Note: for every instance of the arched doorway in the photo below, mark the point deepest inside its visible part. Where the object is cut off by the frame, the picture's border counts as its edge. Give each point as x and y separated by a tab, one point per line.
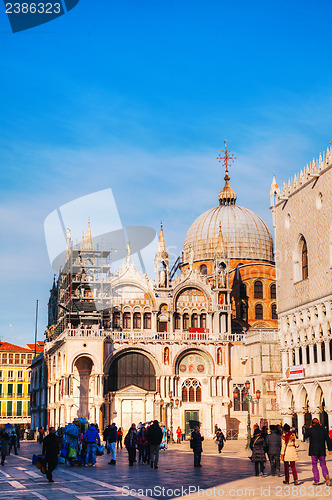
82	371
131	387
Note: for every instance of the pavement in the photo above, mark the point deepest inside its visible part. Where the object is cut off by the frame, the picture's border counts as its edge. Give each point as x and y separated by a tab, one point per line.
228	475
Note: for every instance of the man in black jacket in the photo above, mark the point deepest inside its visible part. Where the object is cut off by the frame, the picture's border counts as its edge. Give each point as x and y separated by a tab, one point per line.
273	443
318	436
196	446
51	449
155	437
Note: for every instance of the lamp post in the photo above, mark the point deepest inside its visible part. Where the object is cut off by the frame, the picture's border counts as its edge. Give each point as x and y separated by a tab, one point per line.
172	404
249	399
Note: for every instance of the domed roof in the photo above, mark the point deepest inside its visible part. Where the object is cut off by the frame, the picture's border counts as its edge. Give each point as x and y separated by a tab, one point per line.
245	235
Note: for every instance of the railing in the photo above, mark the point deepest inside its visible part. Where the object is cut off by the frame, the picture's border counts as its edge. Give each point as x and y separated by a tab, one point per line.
151	335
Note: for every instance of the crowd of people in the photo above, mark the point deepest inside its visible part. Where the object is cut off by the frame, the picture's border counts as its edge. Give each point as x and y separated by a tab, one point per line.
79	443
280	445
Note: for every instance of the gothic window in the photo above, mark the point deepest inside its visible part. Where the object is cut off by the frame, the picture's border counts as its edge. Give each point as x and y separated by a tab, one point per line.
126	320
293	357
244	401
258	311
243	291
191	387
274	311
186	321
203	321
323	351
273	291
177	321
132	369
307	354
300	356
116	320
304	255
258	290
137	321
203	269
315	353
236	401
147	321
194	321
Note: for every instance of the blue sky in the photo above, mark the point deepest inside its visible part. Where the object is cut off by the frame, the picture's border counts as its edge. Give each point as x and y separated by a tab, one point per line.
138	97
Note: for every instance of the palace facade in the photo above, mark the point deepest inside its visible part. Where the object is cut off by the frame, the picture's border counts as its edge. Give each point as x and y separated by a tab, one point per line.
303	238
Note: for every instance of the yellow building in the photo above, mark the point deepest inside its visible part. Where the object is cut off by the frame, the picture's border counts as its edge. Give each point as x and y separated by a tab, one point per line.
15	383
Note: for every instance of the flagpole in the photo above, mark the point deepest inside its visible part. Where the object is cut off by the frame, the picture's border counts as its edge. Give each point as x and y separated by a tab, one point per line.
36	327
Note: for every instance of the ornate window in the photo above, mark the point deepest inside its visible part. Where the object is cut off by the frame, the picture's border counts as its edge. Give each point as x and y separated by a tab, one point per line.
258	311
273	291
315	353
323	351
192	388
147	321
186	321
274	311
307	354
203	321
258	290
137	321
177	321
116	320
203	269
126	320
194	321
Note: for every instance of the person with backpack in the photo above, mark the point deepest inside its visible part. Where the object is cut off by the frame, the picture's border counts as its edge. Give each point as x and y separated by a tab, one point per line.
288	453
91	438
257	445
318	439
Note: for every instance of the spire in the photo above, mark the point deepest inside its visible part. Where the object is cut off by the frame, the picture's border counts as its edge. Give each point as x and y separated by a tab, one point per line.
274	191
220	249
161	249
226	196
87	242
68	243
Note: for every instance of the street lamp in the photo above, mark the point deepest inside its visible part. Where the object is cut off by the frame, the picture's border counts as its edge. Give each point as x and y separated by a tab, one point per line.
173	404
249	399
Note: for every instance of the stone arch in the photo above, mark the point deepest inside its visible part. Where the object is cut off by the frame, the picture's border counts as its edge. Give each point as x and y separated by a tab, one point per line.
119	352
82	369
192	350
316	396
124	283
186	285
300	254
132	367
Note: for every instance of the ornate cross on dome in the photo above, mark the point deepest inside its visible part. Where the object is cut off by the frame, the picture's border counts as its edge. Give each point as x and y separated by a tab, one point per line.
227	158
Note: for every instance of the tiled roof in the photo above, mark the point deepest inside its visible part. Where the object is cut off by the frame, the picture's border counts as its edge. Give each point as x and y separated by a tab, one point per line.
39	346
6	346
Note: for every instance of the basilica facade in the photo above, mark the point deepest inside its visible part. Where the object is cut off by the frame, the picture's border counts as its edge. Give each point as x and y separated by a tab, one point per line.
198	347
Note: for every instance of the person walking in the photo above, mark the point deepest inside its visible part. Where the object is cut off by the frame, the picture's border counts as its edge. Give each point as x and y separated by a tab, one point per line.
41	433
318	438
4	440
155	437
50	452
130	443
119	438
106	433
257	445
111	441
178	435
220	439
13	442
142	441
288	453
273	444
196	445
91	438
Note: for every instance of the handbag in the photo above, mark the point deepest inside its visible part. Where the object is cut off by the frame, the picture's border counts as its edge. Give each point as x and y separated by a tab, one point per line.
72	453
100	450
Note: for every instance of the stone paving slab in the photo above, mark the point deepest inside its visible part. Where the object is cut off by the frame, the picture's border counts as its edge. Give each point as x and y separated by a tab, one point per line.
228	475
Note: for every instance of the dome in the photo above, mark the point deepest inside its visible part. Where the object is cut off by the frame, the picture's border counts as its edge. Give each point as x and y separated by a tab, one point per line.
245	235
